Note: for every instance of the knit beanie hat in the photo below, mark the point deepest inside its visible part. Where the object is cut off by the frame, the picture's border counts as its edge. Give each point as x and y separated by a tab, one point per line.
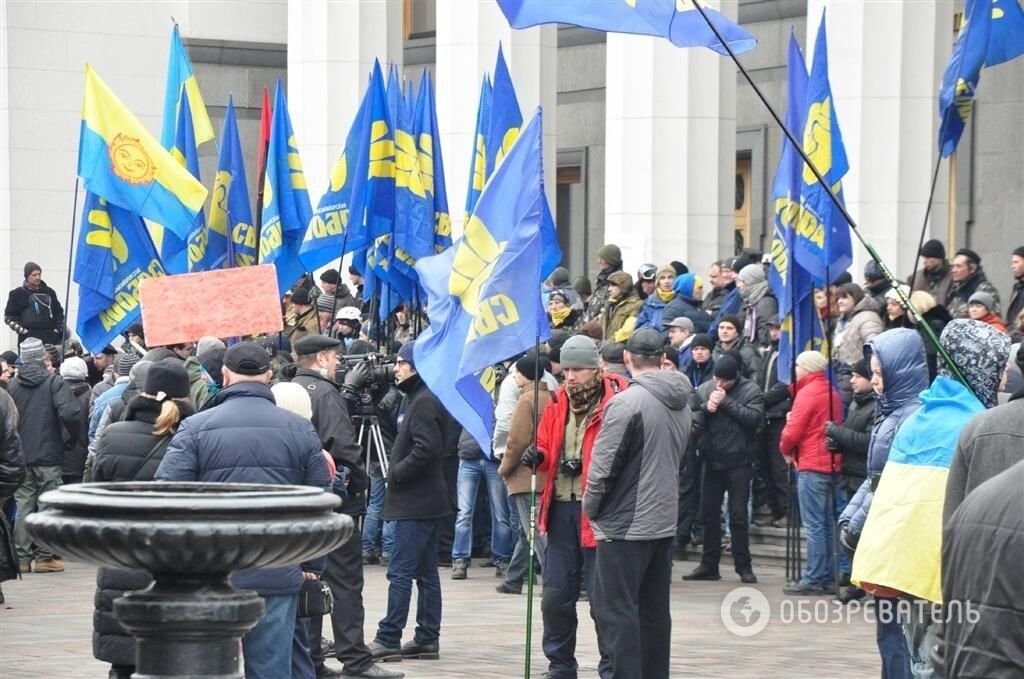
125	362
983	298
579	351
406	353
74	367
1019	251
752	274
31	267
933	248
140	370
679	267
293	398
812	361
531	368
702	340
726	368
666	270
559	278
206	343
591	329
167	379
611	254
326	302
861	368
32	349
733	320
872	272
582	286
621	279
331	276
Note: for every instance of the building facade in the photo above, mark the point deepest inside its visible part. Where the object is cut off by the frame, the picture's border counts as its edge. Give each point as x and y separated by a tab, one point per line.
666	152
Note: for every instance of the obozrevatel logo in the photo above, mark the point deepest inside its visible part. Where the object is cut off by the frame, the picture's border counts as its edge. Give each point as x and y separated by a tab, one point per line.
745	611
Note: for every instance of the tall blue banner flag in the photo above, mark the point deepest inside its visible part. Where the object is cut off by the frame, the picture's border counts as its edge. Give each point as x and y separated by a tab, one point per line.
823	245
960	81
428	145
675	20
286	208
1007	39
113	257
230	212
505	116
484	291
478	165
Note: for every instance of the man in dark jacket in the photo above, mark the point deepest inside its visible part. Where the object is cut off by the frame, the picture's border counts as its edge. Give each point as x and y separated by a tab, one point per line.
75	373
317	358
851	438
1016	305
416	498
934	276
969	278
771	467
728	412
45	405
631	499
982	549
609	260
242	437
34	310
732	338
875	283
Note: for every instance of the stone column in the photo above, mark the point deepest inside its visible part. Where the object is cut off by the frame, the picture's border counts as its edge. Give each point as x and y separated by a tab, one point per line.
670	151
885	65
468	34
331	49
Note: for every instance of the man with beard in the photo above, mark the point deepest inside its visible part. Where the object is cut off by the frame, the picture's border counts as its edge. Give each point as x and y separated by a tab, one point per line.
34	310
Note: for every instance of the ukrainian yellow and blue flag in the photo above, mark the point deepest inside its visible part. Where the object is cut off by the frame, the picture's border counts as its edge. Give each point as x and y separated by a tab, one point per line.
1006	41
230	211
960	81
113	257
505	118
337	226
484	291
121	162
675	20
180	78
478	166
823	245
428	145
286	208
901	545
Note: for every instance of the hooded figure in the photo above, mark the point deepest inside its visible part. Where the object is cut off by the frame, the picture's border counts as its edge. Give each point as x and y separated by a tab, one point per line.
759	304
687	303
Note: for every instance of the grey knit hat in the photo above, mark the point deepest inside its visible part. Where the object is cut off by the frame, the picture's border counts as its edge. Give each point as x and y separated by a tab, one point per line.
32	349
125	362
752	274
579	351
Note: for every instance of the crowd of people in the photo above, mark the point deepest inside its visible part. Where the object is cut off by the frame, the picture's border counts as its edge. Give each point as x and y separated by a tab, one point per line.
662	425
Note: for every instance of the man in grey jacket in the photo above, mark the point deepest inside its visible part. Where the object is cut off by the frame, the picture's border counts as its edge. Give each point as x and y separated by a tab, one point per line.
631	499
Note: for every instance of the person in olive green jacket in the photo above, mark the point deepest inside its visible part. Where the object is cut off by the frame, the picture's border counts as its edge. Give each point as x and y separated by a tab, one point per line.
623	306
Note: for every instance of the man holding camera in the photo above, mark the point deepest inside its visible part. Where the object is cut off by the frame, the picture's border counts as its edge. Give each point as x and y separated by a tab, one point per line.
317	359
565	438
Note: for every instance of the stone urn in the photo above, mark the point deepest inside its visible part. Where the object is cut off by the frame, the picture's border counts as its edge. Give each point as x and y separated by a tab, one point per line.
190	537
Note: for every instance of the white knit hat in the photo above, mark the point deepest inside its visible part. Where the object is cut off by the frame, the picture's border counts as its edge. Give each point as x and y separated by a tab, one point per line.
294	398
812	361
74	367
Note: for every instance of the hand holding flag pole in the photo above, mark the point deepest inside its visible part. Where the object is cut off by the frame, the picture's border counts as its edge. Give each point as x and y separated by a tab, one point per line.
798	146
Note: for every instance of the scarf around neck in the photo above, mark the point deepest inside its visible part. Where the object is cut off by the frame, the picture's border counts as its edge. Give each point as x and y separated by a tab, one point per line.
583	397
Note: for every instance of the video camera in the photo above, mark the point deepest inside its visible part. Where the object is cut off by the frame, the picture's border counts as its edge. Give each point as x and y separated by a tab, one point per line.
379	375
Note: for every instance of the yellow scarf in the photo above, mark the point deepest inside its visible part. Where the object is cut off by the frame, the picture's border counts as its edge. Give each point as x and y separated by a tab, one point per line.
558	317
666	296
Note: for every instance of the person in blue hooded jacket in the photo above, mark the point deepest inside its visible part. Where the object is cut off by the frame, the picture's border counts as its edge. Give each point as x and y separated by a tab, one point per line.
689	289
241	436
899	373
653	312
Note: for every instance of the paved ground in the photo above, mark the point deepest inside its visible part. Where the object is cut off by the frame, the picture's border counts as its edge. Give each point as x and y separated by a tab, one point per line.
45	629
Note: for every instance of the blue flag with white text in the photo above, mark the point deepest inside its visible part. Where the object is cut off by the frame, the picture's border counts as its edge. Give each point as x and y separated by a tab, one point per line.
113	257
675	20
286	208
484	291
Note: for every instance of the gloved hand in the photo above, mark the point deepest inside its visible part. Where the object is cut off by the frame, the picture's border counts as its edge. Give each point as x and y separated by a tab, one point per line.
848	539
830	429
532	457
358	376
831	444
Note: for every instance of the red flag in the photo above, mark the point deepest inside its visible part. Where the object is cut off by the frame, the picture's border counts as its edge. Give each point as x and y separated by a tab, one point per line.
265	115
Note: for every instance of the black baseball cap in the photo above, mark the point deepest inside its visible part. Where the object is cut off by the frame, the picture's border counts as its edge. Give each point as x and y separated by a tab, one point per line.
247	358
646	342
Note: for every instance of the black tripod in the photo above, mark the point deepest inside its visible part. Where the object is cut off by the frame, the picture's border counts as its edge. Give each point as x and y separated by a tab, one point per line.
371	441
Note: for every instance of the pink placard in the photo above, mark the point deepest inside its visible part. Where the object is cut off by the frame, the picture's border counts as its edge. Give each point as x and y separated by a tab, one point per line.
223	303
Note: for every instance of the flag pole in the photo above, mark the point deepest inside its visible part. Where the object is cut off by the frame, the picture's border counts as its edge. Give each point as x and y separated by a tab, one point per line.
904	298
71	254
924	226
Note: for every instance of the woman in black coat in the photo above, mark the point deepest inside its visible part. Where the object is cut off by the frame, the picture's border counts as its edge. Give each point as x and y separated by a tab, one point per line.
131	450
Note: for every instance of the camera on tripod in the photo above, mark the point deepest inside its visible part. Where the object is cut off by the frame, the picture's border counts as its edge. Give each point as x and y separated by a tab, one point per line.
379	375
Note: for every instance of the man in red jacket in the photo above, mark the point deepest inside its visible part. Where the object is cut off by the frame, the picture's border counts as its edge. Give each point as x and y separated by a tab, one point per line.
565	439
815	403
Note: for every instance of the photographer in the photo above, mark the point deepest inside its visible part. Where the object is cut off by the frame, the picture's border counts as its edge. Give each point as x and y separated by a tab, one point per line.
317	361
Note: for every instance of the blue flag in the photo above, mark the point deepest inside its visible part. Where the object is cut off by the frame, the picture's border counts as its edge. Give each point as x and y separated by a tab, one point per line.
484	292
959	82
206	249
1007	39
180	79
414	193
428	145
676	20
230	211
505	116
113	257
286	208
823	244
478	166
802	330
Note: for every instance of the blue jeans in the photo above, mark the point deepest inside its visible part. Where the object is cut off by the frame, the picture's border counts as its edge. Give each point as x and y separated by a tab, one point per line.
267	647
471	472
892	644
819	522
414	558
376	531
302	661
